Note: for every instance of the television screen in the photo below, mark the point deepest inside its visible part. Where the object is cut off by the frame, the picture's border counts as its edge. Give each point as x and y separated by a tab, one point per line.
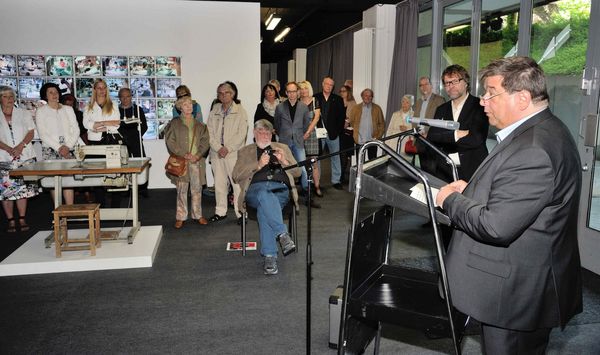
88	65
148	106
115	84
164	109
65	85
59	65
32	65
165	88
114	66
84	87
8	65
168	66
29	88
141	66
12	82
142	87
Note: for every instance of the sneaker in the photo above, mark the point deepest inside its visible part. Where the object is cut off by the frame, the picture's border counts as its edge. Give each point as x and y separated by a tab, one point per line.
270	265
286	243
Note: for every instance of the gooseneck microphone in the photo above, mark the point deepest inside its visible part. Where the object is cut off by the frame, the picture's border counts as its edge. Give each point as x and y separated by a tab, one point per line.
451	125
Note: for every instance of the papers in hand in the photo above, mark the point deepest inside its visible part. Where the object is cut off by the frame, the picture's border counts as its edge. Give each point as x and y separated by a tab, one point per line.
418	193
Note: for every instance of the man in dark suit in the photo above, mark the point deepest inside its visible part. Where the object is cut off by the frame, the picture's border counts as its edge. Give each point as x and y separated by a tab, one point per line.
425	108
292	119
513	262
466	146
333	114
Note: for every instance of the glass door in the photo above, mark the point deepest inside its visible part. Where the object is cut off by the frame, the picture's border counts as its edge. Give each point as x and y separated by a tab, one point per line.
589	150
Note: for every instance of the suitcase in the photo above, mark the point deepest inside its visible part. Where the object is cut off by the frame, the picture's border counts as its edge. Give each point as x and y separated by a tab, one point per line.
335	314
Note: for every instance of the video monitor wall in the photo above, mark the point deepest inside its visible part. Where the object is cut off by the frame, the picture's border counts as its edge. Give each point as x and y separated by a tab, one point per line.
152	80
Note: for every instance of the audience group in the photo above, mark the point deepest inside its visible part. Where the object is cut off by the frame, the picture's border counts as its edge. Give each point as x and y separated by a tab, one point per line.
289	127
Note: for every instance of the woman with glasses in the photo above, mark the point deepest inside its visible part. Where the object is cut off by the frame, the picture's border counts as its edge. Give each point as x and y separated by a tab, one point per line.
184	91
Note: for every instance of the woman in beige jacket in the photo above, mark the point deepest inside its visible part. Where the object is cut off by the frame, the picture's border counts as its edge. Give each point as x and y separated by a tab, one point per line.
188	138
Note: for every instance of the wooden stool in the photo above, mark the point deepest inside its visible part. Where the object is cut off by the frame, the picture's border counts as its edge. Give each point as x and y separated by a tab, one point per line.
61	237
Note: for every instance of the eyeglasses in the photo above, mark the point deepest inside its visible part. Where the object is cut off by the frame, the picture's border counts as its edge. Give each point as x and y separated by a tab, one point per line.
488	98
452	82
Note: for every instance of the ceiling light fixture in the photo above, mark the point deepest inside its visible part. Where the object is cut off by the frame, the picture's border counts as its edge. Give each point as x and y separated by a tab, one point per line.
272	22
282	35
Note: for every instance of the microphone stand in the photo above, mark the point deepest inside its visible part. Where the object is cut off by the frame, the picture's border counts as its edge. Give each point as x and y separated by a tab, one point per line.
307	164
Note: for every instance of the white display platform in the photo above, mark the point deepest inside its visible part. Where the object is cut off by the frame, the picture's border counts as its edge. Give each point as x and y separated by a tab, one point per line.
34	258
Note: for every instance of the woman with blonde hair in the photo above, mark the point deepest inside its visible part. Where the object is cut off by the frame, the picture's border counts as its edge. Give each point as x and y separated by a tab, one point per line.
311	142
399	123
101	117
188	138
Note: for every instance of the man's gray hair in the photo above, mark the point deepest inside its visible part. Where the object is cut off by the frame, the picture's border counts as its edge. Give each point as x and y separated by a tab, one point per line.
263	123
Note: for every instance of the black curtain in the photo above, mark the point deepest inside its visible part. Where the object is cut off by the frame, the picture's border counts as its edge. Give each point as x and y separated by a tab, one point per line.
404	63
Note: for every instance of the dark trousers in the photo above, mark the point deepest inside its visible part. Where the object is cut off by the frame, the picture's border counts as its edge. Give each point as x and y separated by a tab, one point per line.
501	341
371	152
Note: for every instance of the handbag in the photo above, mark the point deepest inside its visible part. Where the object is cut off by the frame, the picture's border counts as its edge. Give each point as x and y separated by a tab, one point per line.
410	148
321	132
177	165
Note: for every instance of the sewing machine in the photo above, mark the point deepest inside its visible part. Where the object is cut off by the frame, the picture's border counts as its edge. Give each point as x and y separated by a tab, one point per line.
116	155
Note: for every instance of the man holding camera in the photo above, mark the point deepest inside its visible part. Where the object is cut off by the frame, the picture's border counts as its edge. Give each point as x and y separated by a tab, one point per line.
266	186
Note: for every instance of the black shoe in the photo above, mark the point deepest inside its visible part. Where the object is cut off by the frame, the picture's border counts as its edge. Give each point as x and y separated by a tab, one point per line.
239	221
427	224
313	204
216	218
338	186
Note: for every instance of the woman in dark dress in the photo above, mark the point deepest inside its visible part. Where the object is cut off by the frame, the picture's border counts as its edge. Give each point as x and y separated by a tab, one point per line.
269	99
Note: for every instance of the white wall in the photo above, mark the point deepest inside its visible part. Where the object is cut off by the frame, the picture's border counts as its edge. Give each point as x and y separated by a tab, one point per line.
217	41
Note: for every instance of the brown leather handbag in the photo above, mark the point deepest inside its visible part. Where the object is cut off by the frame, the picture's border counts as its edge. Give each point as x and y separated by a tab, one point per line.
177	165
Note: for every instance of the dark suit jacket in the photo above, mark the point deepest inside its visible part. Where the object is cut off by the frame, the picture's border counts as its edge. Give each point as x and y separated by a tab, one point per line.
290	131
513	261
335	116
471	149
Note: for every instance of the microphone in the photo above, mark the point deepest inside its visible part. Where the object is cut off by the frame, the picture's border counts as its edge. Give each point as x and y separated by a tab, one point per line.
451	125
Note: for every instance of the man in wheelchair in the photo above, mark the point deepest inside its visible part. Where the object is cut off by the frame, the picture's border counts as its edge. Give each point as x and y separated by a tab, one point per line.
266	186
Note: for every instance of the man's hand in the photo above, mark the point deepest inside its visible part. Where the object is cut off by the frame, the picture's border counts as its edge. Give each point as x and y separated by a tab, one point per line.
278	153
223	152
445	191
461	133
264	160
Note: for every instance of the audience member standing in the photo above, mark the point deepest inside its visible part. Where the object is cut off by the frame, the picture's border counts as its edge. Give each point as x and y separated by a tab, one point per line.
312	145
292	119
58	130
269	99
367	121
333	115
425	108
182	91
347	138
399	123
188	138
466	146
132	132
228	129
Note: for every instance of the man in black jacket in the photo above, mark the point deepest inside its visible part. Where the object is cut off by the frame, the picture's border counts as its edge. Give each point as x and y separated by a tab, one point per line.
333	115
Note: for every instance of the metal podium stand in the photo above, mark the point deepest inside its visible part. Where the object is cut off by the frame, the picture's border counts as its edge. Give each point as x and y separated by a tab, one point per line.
376	292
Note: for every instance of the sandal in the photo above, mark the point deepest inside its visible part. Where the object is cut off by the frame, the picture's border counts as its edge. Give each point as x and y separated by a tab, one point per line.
12	227
23	224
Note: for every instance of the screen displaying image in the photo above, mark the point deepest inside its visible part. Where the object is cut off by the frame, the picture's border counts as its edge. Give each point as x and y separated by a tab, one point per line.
165	88
141	66
12	82
32	65
148	106
8	65
84	87
142	87
59	65
152	132
82	104
168	66
164	109
65	85
115	84
29	88
86	65
114	66
31	105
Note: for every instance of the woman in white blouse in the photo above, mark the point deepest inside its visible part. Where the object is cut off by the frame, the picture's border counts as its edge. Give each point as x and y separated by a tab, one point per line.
57	128
399	123
101	117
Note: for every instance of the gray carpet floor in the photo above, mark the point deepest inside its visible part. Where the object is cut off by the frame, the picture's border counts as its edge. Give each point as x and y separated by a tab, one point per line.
200	299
